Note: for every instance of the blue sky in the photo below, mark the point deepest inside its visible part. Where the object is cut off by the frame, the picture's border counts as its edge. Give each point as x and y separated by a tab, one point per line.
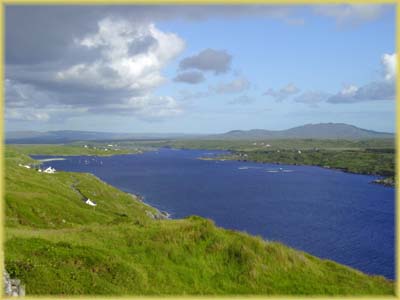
255	68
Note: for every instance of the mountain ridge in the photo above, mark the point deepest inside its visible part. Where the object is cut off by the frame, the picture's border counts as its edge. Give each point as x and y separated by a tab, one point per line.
307	131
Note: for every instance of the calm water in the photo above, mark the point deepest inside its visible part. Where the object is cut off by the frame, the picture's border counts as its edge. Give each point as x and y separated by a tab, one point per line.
328	213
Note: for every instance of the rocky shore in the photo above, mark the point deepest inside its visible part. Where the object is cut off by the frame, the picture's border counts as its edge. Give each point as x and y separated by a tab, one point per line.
12	287
388	181
158	215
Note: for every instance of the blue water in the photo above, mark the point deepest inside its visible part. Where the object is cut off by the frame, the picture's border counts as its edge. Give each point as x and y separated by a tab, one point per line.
328	213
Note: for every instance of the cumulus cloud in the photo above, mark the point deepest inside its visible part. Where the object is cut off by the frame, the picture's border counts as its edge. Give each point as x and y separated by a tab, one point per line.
118	67
217	61
192	77
237	85
121	76
148	107
389	62
312	98
36	34
28	103
379	90
244	99
351	14
283	93
373	91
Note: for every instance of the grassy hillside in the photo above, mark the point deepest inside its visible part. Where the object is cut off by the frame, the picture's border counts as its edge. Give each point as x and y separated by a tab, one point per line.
56	244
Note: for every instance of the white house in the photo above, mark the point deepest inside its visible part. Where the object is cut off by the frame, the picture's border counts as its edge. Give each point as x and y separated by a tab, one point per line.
90	202
50	170
25	166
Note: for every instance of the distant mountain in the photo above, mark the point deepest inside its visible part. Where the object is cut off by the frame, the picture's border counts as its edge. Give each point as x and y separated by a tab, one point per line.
67	136
308	131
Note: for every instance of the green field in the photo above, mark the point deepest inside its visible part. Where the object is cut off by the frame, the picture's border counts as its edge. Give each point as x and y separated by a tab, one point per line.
88	148
276	144
56	244
376	161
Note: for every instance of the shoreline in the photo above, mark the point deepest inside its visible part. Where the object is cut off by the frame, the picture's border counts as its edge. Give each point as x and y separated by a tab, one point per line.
51	159
160	215
385	181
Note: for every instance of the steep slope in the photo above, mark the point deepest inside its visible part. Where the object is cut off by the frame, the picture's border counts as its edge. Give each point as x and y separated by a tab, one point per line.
56	244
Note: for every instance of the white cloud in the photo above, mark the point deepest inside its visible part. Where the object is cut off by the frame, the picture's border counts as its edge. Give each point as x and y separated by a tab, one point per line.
349	90
312	98
380	90
352	14
389	62
148	107
155	107
235	86
118	67
121	78
283	93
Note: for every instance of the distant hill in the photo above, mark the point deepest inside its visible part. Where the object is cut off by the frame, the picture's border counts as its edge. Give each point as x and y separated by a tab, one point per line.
66	136
308	131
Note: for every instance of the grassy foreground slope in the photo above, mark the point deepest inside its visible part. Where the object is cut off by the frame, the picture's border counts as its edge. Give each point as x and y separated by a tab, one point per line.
56	244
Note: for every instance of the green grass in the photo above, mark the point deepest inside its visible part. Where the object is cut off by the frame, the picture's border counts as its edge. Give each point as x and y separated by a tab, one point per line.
281	144
355	161
58	245
72	149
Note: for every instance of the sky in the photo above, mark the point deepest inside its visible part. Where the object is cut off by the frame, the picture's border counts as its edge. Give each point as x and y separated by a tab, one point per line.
199	69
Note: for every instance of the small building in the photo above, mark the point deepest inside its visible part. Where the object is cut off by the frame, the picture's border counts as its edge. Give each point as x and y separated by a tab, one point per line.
90	202
50	170
25	166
